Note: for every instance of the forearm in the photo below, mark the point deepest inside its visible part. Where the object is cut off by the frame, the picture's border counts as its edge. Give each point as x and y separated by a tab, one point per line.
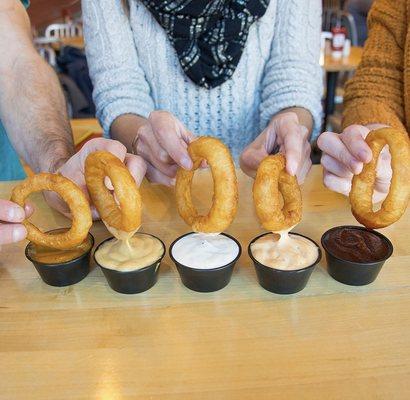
33	111
32	106
125	129
375	93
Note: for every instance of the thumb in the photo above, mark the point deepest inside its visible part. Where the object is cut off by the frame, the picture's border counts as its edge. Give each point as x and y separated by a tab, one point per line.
101	144
251	158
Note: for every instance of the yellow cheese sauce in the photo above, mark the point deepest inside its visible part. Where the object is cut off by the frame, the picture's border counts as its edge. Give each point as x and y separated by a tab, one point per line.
129	251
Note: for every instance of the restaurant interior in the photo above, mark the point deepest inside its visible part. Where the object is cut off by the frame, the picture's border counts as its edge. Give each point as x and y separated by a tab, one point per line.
82	319
57	30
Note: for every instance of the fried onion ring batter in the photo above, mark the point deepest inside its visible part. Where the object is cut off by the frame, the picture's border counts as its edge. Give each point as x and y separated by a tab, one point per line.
225	200
126	216
396	201
76	201
271	180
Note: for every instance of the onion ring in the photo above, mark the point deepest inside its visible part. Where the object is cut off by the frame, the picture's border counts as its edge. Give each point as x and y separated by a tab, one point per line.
271	178
76	201
126	216
225	200
397	199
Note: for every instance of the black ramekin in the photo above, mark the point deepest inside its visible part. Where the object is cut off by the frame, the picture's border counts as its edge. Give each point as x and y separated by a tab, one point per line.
136	281
66	273
351	272
205	280
283	281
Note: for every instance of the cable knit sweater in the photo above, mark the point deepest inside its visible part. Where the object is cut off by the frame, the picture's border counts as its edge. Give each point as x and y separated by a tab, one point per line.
380	90
134	69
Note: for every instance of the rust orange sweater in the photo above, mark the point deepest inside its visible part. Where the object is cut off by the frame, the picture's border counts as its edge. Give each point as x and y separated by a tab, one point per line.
380	90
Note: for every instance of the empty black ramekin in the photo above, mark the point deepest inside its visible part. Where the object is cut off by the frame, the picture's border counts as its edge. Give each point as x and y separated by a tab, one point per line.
351	272
65	273
205	280
135	281
283	281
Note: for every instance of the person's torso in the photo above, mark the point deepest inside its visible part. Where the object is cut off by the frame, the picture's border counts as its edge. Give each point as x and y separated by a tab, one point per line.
229	111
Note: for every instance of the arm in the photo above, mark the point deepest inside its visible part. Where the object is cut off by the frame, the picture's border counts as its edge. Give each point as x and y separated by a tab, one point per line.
291	90
33	111
32	106
122	93
120	88
293	77
373	99
375	94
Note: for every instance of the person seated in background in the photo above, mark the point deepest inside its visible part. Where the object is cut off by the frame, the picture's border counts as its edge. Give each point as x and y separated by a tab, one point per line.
377	96
244	72
34	123
359	10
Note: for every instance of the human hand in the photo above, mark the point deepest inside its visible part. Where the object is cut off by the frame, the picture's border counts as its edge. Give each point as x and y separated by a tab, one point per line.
11	217
344	156
289	137
163	143
74	170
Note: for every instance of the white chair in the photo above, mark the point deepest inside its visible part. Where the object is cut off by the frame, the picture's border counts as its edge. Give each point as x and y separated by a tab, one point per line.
48	54
62	31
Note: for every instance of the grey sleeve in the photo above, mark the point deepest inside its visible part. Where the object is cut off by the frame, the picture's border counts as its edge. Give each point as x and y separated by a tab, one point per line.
293	76
119	81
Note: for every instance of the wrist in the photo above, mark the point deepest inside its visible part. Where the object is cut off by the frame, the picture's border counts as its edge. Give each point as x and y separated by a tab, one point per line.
53	162
55	166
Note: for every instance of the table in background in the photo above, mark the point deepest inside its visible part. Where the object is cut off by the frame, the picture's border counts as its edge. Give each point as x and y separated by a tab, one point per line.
333	67
84	129
329	341
77	41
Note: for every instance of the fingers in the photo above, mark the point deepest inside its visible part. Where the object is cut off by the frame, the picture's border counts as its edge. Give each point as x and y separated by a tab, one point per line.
294	137
335	167
336	183
172	137
250	159
12	233
158	157
146	137
156	176
304	170
353	138
137	167
330	143
29	209
11	212
56	202
102	144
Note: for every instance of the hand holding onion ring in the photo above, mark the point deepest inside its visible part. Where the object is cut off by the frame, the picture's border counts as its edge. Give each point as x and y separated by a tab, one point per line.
126	216
396	201
72	195
271	180
225	201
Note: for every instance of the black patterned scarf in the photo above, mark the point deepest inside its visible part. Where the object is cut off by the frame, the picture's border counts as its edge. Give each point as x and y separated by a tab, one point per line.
208	36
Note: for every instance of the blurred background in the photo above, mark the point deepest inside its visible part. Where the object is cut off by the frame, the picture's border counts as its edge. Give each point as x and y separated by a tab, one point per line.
58	37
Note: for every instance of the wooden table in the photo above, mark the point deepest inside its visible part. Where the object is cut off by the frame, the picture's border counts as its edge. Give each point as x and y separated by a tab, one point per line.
332	68
349	63
77	41
330	341
83	128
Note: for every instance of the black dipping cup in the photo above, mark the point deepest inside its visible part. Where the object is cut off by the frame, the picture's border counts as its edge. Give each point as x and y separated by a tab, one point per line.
351	272
205	280
136	281
283	281
66	273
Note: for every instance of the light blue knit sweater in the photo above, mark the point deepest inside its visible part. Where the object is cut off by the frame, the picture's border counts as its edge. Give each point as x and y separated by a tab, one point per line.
135	69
